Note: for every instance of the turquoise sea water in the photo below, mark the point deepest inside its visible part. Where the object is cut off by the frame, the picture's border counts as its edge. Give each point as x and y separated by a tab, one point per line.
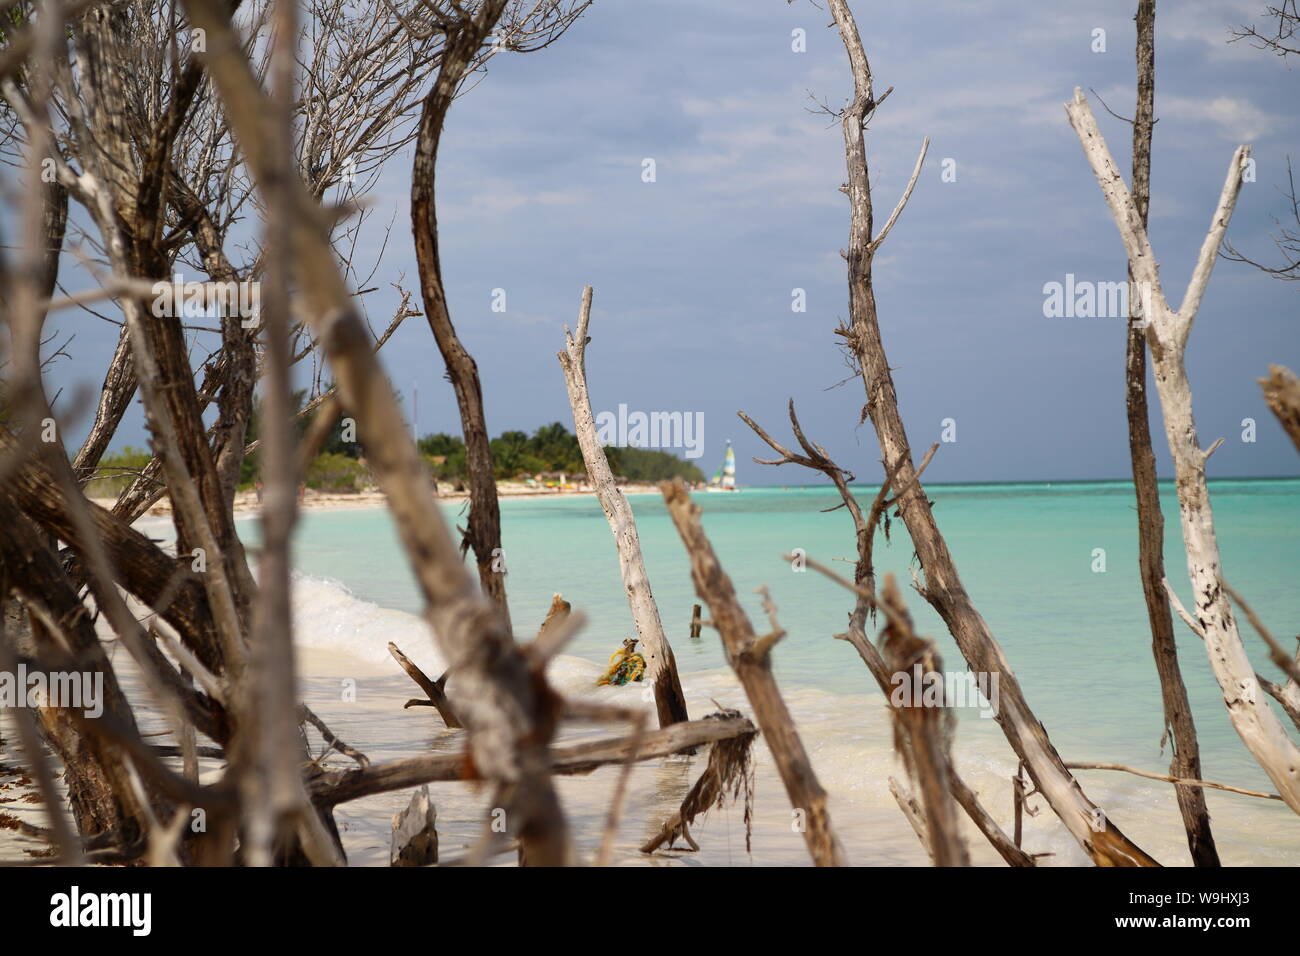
1077	639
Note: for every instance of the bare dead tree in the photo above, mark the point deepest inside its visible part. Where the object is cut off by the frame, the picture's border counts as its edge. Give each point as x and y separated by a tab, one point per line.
483	535
887	679
511	714
1280	37
942	586
1167	333
661	666
138	136
863	586
466	29
1185	761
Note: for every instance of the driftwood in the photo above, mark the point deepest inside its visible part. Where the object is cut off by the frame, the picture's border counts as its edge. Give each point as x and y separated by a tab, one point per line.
1176	781
332	742
1185	760
926	730
727	777
942	586
1287	694
554	630
913	814
661	666
1167	333
750	657
153	576
105	791
130	165
339	786
275	803
433	689
415	833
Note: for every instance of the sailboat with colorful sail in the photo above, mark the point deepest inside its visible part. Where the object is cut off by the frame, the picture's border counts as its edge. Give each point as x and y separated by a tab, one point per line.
724	479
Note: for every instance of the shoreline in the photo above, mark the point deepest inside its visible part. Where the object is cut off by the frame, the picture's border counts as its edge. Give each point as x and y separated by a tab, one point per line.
247	504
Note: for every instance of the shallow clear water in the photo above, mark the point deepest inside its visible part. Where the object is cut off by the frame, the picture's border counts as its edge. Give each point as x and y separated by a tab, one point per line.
1076	638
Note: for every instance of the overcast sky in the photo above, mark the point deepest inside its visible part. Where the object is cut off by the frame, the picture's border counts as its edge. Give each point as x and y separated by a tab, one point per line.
541	191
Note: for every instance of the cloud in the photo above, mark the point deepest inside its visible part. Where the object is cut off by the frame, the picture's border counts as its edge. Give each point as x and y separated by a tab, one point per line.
494	197
1237	119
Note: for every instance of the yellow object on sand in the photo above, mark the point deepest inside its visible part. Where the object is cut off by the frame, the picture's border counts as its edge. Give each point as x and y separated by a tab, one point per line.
625	666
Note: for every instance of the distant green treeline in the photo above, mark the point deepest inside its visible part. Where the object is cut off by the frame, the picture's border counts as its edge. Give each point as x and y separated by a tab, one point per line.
340	465
552	448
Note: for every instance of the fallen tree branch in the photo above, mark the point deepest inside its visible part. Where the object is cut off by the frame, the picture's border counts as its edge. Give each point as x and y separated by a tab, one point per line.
305	713
728	776
339	786
432	689
1179	781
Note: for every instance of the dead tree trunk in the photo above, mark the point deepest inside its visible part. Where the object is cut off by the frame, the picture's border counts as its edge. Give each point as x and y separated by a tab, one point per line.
943	589
511	713
927	730
432	688
60	632
1167	332
660	663
484	532
750	657
114	398
1186	758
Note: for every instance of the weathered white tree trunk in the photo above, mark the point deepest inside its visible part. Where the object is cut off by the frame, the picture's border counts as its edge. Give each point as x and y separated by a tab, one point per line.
1167	334
1185	759
661	666
1104	843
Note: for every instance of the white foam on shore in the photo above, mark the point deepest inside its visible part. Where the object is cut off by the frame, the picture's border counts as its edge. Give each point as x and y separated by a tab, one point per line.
328	616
